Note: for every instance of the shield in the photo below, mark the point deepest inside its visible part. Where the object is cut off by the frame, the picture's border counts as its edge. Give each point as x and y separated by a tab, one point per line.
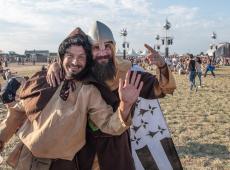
152	145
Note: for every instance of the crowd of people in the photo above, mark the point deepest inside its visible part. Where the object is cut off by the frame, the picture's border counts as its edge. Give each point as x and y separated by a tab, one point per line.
189	65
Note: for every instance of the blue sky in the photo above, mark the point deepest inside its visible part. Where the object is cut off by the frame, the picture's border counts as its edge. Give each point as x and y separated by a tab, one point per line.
43	24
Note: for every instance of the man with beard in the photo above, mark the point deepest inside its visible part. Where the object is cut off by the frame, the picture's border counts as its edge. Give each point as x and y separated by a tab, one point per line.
54	119
104	151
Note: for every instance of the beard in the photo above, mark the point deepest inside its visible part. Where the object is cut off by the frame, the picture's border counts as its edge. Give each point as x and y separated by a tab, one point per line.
77	75
103	72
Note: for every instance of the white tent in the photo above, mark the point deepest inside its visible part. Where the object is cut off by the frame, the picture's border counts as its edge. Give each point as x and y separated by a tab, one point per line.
132	53
144	53
139	52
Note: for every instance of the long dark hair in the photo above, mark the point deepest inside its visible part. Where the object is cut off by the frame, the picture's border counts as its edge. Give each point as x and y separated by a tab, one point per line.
79	40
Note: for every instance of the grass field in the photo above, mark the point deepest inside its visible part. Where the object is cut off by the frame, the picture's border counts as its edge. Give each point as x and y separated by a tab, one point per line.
199	121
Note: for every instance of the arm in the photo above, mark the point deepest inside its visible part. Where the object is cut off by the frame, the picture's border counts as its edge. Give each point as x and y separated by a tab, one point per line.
15	118
101	114
166	83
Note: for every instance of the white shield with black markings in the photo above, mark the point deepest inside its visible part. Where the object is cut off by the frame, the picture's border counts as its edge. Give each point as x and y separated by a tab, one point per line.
152	145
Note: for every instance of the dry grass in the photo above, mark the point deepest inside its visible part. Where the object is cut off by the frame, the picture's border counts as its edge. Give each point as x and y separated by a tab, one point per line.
199	121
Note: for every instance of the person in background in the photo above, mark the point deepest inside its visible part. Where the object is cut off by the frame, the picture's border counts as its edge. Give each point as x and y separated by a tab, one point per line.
174	63
199	70
8	94
180	67
192	71
210	67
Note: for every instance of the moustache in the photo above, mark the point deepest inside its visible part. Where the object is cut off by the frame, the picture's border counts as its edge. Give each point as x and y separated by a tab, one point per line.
103	57
78	66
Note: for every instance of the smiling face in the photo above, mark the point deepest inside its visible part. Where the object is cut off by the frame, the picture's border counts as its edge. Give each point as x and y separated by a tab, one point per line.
102	52
74	60
104	66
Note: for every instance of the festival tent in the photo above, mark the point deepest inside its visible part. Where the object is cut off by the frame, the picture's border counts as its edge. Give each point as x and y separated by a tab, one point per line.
132	53
139	53
144	53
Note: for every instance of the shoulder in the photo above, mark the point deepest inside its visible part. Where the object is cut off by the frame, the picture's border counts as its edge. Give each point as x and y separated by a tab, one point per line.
38	74
37	78
35	84
90	93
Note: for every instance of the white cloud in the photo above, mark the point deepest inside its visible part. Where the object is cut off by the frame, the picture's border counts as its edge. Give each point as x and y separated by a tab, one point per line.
39	20
45	23
181	16
178	11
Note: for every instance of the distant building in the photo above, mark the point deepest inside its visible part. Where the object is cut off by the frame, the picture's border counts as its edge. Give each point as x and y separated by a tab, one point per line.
37	55
4	55
52	58
53	55
11	56
223	50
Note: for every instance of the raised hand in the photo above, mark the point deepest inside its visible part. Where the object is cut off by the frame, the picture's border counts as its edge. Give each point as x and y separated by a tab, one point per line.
130	89
154	57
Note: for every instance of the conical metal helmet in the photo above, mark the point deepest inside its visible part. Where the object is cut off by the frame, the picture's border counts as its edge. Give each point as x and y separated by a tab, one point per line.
100	33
